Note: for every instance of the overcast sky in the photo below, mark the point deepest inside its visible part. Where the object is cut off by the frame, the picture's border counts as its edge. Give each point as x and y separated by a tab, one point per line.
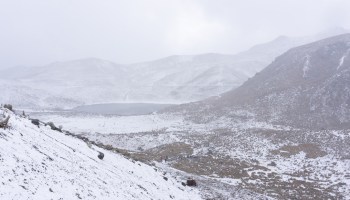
37	32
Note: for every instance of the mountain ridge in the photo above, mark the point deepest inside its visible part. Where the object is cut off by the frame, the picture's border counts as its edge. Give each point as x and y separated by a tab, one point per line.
174	79
308	86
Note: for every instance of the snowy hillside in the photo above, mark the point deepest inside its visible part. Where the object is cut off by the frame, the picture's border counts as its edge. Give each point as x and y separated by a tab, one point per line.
39	163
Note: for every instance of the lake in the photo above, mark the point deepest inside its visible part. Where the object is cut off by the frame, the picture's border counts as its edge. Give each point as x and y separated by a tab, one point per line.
121	108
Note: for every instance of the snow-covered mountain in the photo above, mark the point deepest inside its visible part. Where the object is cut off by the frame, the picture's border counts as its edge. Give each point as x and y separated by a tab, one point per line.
30	97
39	163
308	86
192	78
85	81
186	78
175	79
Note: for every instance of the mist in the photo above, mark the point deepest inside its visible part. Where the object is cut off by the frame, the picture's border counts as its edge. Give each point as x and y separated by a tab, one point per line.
39	32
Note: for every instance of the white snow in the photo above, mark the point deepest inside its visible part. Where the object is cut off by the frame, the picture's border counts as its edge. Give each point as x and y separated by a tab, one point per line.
113	124
38	163
341	60
306	66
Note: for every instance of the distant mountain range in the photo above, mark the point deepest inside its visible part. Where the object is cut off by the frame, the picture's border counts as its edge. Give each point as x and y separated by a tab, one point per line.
308	86
174	79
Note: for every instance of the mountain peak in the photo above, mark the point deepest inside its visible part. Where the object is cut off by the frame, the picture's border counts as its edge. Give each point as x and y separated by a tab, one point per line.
281	38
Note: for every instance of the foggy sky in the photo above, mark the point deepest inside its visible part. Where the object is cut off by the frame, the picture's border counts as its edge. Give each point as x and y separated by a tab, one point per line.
38	32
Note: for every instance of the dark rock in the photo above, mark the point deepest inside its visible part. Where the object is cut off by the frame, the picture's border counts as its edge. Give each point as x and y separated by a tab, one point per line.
78	196
8	106
23	187
3	123
108	147
101	155
191	182
53	127
35	122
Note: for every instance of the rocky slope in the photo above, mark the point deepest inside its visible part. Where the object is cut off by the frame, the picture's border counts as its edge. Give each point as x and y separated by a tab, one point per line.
308	86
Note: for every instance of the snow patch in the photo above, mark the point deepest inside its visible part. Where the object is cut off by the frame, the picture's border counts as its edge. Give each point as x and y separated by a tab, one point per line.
306	65
113	124
341	60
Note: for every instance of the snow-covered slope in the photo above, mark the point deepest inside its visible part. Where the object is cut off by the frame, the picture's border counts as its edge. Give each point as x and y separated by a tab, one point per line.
308	86
38	163
190	78
174	79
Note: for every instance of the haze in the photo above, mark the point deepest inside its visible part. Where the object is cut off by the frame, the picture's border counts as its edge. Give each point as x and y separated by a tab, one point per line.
38	32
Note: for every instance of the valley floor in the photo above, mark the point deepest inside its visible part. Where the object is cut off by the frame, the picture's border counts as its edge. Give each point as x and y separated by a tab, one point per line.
229	156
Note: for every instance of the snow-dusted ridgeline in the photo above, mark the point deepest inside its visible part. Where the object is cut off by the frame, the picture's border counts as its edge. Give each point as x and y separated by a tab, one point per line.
174	79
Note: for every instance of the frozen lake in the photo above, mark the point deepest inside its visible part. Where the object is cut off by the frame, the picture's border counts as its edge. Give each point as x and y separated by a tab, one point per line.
123	109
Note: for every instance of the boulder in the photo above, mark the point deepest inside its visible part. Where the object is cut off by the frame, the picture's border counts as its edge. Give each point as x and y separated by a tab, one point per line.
191	182
4	122
53	127
35	122
101	155
8	106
